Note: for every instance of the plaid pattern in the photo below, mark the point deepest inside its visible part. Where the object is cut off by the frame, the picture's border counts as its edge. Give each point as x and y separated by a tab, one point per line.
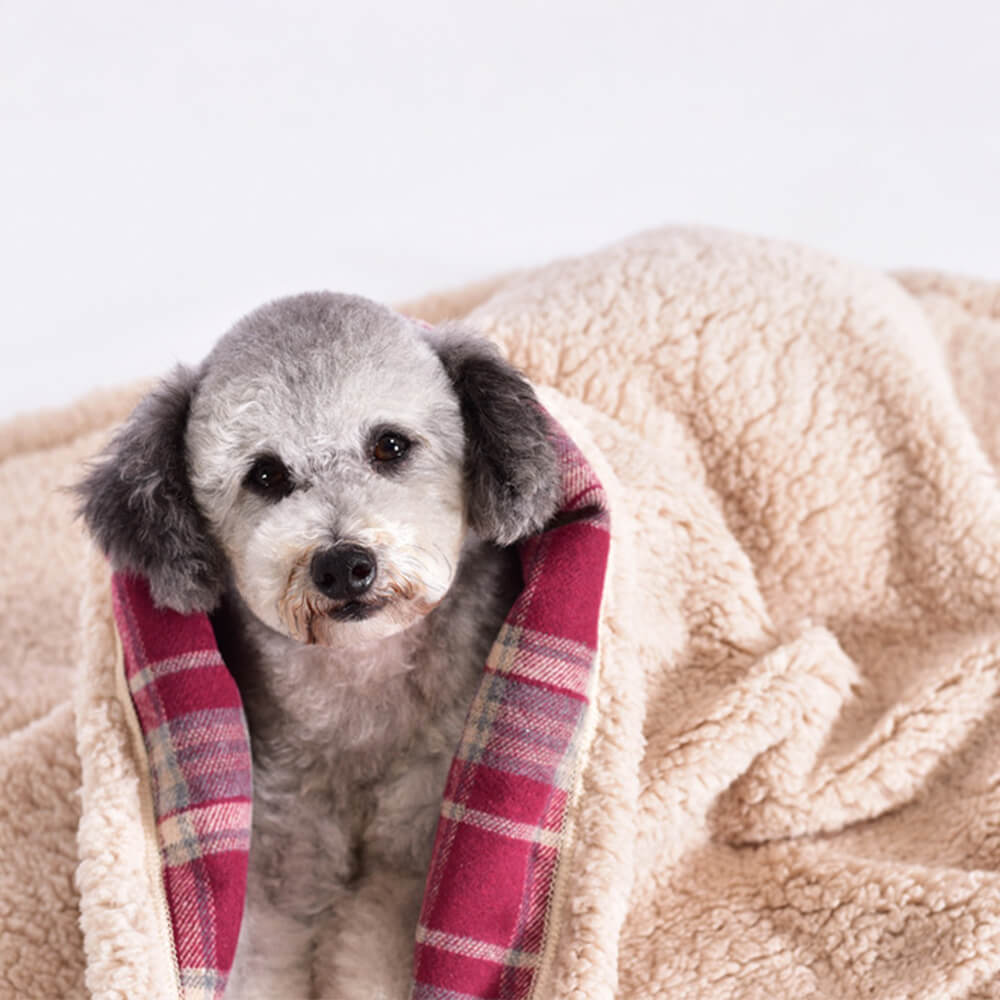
486	904
199	760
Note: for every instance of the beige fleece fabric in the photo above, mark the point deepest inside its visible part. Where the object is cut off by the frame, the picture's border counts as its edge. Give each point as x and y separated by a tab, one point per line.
793	782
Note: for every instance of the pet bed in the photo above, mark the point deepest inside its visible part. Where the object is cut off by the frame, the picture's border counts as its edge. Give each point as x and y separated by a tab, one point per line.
783	774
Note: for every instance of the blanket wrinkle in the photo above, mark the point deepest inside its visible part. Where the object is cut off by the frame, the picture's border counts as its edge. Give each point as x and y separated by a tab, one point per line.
39	803
791	789
790	782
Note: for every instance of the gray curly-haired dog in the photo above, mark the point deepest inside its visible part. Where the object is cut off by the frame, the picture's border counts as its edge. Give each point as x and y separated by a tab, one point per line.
340	488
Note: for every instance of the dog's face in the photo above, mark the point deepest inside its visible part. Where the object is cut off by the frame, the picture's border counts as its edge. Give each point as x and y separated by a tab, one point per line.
327	460
331	472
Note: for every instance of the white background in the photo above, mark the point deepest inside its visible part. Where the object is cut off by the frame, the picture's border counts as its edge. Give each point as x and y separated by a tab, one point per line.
166	167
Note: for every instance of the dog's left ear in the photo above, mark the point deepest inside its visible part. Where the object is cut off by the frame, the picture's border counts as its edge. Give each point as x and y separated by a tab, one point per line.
138	504
511	468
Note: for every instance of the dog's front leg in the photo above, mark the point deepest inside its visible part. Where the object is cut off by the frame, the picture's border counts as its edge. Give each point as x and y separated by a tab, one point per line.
273	954
365	950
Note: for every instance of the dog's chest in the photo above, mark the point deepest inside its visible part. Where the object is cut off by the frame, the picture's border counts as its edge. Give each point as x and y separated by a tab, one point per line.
361	790
348	777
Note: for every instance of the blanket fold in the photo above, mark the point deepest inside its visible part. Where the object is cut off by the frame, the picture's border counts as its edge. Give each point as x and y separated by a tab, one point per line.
789	784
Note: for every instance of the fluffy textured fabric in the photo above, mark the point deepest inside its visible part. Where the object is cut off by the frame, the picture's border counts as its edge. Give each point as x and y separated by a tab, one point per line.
792	786
504	809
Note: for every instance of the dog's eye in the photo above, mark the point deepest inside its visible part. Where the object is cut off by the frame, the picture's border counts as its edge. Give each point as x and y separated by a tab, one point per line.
390	447
269	477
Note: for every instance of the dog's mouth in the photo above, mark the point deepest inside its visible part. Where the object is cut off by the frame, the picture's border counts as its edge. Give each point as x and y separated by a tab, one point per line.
396	604
356	611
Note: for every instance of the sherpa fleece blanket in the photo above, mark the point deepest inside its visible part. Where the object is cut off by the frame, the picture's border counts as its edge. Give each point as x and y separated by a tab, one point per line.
775	765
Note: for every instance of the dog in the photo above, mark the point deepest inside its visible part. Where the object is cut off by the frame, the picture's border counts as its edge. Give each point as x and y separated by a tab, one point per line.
341	488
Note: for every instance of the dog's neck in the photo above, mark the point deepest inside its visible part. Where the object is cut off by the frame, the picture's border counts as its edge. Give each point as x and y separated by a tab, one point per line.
340	700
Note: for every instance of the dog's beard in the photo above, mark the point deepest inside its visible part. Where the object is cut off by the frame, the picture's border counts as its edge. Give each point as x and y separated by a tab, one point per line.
400	598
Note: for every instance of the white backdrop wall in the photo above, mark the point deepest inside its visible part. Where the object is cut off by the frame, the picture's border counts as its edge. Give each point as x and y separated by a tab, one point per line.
165	168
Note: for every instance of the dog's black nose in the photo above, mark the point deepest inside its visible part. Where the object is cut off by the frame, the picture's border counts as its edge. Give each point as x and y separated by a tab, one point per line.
344	572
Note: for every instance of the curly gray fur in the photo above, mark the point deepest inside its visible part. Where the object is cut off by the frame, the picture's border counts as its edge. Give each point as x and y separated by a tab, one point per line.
326	423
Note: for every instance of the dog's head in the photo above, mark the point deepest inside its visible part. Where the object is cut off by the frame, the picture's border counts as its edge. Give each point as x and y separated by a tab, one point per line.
327	460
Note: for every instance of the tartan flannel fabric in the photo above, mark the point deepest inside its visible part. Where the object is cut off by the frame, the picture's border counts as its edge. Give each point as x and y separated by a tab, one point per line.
486	904
198	751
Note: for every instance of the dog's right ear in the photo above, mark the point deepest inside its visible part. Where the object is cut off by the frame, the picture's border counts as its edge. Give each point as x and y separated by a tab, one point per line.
512	476
138	504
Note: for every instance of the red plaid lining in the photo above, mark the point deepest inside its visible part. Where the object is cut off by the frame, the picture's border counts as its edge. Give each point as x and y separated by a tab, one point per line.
486	904
199	760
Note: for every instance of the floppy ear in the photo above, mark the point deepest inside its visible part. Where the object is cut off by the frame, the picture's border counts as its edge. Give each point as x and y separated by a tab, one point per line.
137	502
511	469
